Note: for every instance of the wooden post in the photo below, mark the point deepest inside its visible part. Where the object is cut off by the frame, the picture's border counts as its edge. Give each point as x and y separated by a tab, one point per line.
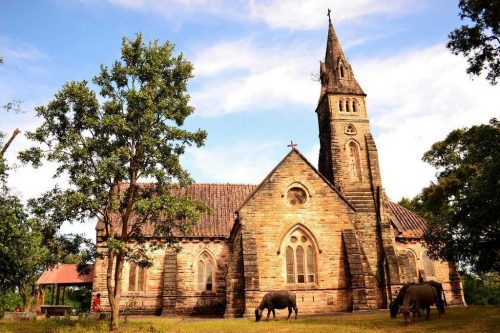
64	291
53	292
57	295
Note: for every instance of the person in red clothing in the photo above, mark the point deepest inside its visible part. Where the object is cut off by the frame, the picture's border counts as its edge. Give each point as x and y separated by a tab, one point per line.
18	308
96	303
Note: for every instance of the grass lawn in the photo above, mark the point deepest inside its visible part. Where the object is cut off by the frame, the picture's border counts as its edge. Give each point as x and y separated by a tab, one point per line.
470	319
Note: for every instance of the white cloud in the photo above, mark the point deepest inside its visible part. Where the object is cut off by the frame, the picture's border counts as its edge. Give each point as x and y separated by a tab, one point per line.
239	76
415	99
289	14
311	14
242	162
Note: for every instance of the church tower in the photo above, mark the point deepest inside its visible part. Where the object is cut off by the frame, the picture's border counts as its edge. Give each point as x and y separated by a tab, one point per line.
348	158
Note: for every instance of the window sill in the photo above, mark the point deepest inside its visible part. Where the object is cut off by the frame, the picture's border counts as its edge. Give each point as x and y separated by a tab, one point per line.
302	286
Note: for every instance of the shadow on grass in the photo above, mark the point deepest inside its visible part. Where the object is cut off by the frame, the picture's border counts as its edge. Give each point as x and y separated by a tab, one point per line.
471	319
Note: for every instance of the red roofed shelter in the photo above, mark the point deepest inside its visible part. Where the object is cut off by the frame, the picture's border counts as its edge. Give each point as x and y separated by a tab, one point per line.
61	276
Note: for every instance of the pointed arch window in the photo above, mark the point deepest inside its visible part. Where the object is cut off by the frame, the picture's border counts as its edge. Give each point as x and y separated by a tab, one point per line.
341	69
413	264
347	106
290	267
136	278
205	273
427	264
354	161
354	106
300	263
341	105
310	265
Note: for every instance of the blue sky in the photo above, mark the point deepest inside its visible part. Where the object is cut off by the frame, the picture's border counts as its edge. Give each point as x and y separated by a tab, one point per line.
253	62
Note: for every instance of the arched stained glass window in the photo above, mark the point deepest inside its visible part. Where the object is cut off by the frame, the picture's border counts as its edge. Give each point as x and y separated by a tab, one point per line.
310	265
290	271
300	264
205	273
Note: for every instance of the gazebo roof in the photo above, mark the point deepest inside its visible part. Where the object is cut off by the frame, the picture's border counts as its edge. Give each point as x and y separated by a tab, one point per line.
66	274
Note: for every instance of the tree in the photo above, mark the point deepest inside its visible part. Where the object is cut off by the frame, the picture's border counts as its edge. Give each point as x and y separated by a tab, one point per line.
480	41
107	145
463	206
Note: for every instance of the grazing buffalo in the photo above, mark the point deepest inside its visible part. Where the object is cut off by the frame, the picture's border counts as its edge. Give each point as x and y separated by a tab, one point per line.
419	297
277	300
398	301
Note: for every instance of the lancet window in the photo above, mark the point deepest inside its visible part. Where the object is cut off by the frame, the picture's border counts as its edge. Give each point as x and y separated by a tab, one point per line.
354	161
300	259
136	278
205	273
427	264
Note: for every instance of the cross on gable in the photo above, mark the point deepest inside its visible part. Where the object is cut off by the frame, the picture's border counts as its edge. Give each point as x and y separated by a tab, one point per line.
329	11
292	145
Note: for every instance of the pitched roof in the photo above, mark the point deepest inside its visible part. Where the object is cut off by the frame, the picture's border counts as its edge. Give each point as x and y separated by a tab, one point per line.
65	274
409	224
224	200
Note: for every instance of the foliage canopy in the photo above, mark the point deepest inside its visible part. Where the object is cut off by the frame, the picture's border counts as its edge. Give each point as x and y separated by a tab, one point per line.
479	41
463	206
106	145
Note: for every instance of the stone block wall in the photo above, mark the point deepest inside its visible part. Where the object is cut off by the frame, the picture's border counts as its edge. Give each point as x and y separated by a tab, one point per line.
268	218
444	272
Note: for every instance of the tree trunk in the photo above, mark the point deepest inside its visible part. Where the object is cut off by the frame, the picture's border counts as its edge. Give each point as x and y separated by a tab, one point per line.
114	286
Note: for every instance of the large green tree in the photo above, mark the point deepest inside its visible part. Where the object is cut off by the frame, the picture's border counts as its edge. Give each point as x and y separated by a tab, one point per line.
462	206
106	145
479	39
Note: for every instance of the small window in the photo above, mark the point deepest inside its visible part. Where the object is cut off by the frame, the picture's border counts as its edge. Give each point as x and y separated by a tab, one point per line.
428	264
310	265
296	196
341	105
131	276
413	263
341	70
350	129
354	106
347	106
136	278
205	274
290	272
354	162
300	265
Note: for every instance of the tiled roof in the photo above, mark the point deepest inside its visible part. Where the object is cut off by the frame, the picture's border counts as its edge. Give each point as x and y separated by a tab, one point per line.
409	224
224	199
65	274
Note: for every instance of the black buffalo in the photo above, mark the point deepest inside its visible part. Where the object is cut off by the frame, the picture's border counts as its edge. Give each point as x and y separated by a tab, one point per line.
277	300
398	301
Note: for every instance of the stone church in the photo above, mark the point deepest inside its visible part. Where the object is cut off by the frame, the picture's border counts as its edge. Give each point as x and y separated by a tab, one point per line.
329	234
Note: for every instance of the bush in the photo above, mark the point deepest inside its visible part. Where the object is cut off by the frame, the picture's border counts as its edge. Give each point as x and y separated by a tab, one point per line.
482	289
9	301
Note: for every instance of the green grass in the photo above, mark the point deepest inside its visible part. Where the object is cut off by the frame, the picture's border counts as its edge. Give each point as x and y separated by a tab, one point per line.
470	319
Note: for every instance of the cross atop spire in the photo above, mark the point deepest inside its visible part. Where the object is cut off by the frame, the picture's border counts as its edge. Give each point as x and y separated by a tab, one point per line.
336	73
292	145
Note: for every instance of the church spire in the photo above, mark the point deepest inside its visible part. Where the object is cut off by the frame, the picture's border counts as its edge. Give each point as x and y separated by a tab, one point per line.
336	73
